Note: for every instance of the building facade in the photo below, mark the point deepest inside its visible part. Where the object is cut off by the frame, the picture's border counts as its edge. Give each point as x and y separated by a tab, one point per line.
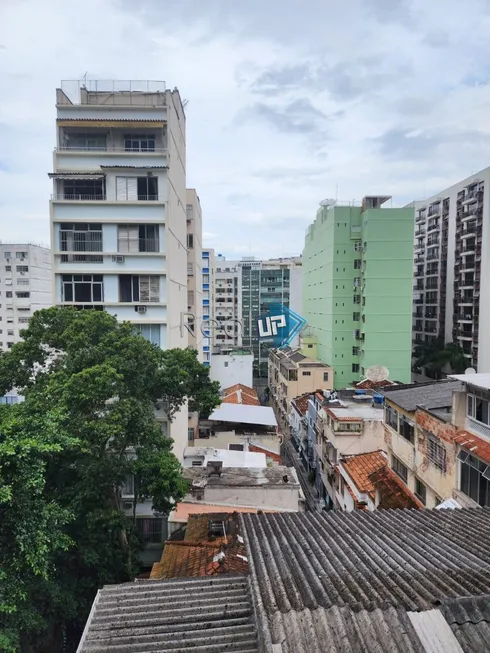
194	271
292	374
452	261
118	210
26	287
227	304
357	288
264	283
208	304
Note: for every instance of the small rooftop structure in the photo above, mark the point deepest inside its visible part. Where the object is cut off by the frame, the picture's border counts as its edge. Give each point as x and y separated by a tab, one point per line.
229	458
241	414
431	395
240	394
479	380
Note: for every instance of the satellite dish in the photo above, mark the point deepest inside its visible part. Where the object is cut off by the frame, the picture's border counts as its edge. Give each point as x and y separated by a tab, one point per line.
377	373
470	370
327	202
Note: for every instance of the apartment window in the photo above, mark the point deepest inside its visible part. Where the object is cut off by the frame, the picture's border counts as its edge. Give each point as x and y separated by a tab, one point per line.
355	351
357	264
22	269
10	345
150	529
306	373
436	452
357	299
136	143
151	332
355	367
235	447
325	376
190	298
85	142
137	238
391	417
127	489
21	294
23	320
7	255
474	478
21	256
399	468
190	434
83	288
356	317
420	491
86	189
8	268
137	188
22	282
190	269
189	211
80	237
478	406
190	241
10	332
139	288
406	429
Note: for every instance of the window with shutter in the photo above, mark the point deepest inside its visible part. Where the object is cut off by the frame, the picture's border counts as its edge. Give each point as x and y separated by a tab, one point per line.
121	193
154	289
127	188
145	289
132	188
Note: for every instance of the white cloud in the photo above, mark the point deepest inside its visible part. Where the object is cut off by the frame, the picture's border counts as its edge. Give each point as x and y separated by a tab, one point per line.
284	108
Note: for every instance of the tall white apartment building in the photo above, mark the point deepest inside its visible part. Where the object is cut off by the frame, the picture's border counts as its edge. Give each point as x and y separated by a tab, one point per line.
208	326
194	271
26	287
452	268
118	209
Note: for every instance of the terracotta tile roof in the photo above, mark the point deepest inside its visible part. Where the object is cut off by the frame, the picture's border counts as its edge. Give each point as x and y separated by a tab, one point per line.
240	394
201	554
360	467
370	472
393	492
301	403
474	444
183	511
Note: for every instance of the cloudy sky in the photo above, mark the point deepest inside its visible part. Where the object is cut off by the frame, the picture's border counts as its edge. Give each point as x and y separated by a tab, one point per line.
288	102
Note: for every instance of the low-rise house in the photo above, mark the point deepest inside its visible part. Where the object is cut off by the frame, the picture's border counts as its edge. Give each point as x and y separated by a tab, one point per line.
240	394
266	488
420	436
241	427
292	374
350	424
366	482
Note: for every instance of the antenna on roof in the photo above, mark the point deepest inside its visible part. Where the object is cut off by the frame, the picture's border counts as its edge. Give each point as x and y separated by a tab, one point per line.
377	373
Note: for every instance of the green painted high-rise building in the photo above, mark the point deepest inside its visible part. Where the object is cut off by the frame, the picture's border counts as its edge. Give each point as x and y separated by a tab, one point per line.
358	288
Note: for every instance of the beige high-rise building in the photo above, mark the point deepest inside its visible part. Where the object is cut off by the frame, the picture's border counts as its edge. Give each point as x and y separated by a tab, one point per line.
194	270
208	290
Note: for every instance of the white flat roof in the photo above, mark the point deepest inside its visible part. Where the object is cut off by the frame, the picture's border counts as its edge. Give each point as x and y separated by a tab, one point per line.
356	410
480	380
244	414
229	457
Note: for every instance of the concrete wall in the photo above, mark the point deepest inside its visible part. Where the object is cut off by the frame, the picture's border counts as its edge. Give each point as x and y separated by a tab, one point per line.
231	369
281	497
222	440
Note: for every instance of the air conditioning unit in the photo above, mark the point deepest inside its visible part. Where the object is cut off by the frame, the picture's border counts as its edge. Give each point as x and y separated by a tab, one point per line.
127	505
118	259
140	309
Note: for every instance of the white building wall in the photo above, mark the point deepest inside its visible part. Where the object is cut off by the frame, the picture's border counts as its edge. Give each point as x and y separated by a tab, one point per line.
25	269
160	320
229	369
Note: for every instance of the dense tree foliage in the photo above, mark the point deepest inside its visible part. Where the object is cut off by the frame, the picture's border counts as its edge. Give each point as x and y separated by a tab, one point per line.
435	357
87	424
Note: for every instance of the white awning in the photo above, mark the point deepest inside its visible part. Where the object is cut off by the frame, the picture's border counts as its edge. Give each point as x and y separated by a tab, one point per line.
82	176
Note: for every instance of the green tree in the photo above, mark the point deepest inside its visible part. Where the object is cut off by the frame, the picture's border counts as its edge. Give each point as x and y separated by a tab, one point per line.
90	386
435	357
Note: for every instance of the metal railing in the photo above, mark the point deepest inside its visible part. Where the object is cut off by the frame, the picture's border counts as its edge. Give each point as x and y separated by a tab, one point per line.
108	148
112	92
80	197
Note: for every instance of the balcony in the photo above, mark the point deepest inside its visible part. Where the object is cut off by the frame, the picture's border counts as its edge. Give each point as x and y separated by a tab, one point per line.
78	197
468	231
418	327
420	232
434	210
465	317
418	300
433	227
111	148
